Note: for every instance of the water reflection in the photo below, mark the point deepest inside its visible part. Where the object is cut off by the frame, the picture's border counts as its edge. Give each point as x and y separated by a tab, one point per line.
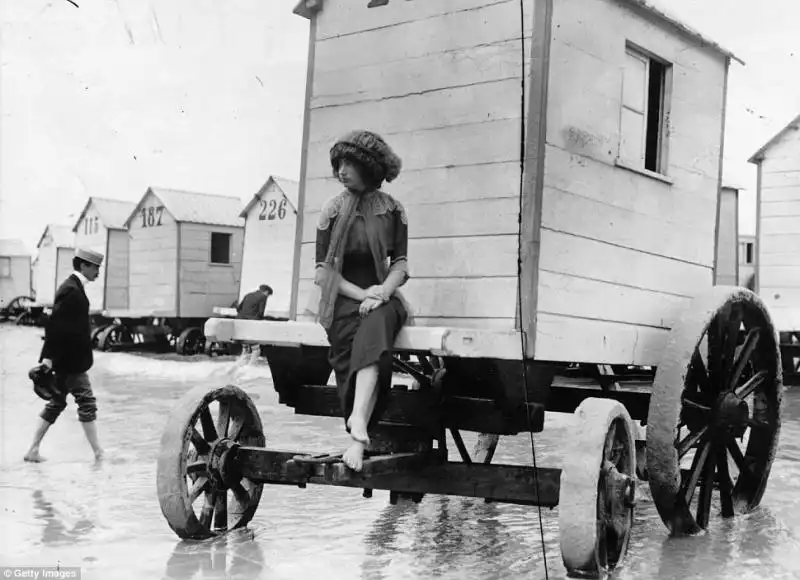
238	554
54	530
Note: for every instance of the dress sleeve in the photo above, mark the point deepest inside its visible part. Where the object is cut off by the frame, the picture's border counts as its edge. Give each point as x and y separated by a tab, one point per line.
399	257
327	219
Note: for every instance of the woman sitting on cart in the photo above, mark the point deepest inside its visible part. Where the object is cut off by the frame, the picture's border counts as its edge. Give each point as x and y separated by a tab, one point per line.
362	239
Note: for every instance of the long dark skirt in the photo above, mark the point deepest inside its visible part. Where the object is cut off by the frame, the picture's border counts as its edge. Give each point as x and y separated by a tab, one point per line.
357	343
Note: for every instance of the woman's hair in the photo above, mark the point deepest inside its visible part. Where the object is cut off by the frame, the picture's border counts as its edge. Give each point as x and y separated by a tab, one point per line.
370	171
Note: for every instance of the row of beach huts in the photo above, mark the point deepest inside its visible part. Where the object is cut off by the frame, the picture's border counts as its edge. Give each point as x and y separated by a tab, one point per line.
172	260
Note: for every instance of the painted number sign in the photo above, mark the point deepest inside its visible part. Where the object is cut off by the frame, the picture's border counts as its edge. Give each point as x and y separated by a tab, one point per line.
151	216
272	209
91	225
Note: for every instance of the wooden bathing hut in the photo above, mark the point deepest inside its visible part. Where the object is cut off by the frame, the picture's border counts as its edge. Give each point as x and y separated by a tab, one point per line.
622	177
101	227
56	248
15	278
777	240
185	258
269	242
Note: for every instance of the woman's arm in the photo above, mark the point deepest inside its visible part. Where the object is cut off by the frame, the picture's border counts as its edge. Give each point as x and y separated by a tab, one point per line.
324	230
398	270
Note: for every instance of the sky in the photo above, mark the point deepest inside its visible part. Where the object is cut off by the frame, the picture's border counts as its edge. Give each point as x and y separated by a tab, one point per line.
113	96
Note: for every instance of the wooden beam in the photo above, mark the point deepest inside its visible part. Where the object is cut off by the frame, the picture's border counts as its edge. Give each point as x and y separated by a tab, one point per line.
438	341
499	483
415	409
567	399
534	170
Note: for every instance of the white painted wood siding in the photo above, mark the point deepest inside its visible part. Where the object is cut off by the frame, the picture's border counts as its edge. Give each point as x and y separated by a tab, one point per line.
204	285
64	267
621	252
117	270
269	249
153	262
778	257
18	283
93	235
441	82
727	266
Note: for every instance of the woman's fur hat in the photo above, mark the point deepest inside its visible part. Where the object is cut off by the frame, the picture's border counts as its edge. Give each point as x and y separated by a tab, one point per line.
370	150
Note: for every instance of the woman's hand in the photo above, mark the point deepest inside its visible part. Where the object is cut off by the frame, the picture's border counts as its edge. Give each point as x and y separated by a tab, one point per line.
377	291
368	305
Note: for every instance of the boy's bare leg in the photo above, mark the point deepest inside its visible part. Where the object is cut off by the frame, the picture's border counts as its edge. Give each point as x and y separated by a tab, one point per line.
33	453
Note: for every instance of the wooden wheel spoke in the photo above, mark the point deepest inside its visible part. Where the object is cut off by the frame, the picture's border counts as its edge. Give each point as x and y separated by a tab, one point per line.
199	486
222	419
221	511
715	337
208	509
695	405
240	493
235	428
706	487
725	484
737	455
749	347
752	384
690	441
209	431
196	467
199	443
729	343
698	373
698	463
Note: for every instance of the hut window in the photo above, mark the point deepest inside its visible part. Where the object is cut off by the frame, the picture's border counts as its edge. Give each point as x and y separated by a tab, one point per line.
220	248
5	267
748	253
644	101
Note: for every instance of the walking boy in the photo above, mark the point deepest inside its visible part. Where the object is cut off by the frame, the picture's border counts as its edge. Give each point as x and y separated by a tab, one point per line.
67	350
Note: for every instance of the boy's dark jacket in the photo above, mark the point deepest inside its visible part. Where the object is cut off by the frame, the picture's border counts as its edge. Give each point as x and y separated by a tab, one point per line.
67	335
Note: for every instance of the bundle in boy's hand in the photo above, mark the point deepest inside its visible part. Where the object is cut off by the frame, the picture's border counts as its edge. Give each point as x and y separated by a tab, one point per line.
44	381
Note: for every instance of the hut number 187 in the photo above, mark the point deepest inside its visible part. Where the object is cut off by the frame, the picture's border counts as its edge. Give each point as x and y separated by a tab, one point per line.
151	216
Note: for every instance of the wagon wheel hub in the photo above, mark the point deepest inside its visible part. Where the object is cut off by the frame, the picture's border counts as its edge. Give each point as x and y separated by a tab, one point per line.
222	465
731	411
620	490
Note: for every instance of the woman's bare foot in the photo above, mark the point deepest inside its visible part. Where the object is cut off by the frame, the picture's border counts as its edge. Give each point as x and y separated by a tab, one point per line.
354	456
358	430
33	457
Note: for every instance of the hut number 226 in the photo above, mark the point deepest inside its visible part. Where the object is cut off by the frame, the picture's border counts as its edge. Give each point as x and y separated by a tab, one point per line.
151	216
272	209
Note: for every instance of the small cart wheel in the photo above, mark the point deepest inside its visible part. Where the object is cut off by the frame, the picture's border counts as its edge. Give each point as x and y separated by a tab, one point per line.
200	489
113	335
598	484
714	416
191	341
96	332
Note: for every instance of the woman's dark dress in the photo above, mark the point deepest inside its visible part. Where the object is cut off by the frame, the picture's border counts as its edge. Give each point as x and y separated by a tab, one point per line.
357	343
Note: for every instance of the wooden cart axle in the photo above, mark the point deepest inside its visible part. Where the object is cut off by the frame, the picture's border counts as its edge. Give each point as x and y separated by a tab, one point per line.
407	473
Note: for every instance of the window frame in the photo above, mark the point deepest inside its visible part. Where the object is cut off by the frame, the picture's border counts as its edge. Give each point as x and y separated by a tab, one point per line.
229	237
662	155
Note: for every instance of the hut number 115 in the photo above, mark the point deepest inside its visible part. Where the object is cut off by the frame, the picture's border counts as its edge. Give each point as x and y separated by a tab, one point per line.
151	216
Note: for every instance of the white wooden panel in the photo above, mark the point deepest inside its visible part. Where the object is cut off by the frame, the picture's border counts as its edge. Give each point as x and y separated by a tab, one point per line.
725	263
780	194
469	218
269	251
92	235
595	260
451	298
495	141
64	267
692	200
632	137
781	208
46	275
578	297
457	68
634	82
574	214
433	185
778	276
342	17
18	283
565	339
476	103
776	178
488	24
780	244
463	257
784	155
778	225
153	261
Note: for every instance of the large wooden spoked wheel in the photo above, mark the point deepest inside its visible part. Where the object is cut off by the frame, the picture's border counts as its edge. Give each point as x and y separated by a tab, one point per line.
714	416
191	341
598	484
200	489
113	335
